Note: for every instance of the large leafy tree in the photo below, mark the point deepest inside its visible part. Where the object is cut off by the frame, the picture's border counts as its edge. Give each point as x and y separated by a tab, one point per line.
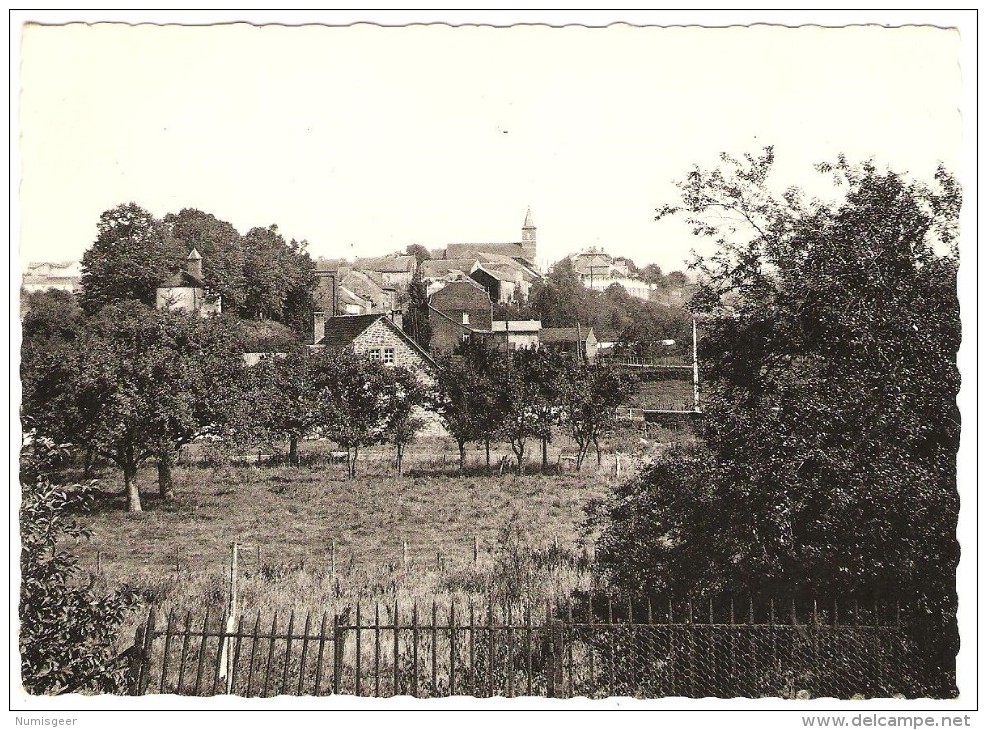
830	424
133	253
280	279
221	248
134	385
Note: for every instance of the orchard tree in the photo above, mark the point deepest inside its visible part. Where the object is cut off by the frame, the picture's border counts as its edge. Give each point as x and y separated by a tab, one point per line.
466	397
133	253
133	386
544	371
407	397
589	395
355	400
277	401
830	424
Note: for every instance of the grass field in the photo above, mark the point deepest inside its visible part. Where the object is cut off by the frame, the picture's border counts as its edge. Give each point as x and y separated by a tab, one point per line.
326	541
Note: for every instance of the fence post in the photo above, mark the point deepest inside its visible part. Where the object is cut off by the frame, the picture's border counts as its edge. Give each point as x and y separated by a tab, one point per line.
552	653
140	664
337	653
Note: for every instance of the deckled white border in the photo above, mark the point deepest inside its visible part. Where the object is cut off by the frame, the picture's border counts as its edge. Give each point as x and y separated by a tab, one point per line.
967	479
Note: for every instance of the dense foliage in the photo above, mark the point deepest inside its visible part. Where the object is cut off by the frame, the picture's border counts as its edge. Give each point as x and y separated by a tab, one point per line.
257	276
67	631
135	383
561	300
484	393
830	425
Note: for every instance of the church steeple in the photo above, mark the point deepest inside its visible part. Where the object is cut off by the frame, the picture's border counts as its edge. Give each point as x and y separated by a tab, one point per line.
528	236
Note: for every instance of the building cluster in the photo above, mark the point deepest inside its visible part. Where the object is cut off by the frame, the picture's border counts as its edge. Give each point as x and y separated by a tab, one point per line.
360	303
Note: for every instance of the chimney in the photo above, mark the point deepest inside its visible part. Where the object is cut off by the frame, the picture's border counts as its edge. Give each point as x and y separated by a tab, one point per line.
193	265
319	326
397	317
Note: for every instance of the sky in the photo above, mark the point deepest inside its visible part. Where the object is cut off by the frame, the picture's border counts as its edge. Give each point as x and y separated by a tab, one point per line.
362	140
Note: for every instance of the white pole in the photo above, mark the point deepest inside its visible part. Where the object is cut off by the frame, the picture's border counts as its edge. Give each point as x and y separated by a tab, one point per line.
695	367
225	669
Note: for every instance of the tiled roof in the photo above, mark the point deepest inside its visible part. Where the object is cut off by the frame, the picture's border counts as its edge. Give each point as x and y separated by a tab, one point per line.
183	279
497	273
387	264
436	268
461	250
363	285
343	329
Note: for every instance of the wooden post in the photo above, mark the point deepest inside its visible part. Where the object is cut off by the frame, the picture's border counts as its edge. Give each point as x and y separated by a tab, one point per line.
550	689
476	549
337	653
332	560
404	554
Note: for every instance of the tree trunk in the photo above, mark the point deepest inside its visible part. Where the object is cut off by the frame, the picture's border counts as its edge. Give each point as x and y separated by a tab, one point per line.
581	455
87	467
487	443
462	456
518	448
599	453
293	450
544	453
400	458
132	489
166	486
352	461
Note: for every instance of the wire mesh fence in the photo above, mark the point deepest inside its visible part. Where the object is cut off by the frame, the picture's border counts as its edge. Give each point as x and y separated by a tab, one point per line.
602	650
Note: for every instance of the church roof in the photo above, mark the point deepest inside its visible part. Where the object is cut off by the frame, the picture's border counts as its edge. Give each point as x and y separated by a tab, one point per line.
182	279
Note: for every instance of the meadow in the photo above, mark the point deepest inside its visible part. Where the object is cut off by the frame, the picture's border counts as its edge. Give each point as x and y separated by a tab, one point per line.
315	541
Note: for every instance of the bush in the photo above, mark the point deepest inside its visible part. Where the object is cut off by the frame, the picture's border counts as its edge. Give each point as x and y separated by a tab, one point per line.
67	631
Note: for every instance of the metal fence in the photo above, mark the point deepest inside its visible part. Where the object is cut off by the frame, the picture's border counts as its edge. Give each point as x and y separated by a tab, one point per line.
629	648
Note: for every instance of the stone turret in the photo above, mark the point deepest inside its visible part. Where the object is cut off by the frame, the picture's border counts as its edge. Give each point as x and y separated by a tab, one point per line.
193	265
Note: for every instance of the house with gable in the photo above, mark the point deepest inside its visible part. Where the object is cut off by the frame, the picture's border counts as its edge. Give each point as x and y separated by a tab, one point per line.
378	337
186	290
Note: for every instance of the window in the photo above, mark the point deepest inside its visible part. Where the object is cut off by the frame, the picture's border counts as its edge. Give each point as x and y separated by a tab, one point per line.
466	318
375	355
388	356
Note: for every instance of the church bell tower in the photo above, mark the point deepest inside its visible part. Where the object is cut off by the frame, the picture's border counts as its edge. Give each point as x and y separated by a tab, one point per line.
528	236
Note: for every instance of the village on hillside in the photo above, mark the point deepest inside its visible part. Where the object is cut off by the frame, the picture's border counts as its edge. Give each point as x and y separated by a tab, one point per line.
479	291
